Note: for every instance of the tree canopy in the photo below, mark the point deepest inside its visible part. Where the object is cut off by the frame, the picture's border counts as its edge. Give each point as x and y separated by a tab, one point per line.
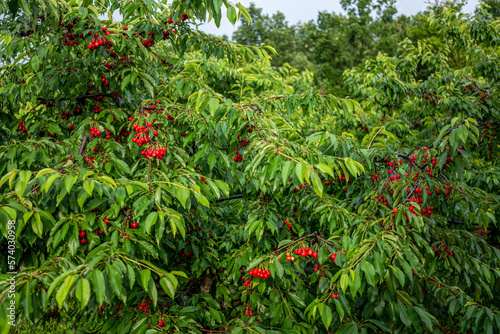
157	179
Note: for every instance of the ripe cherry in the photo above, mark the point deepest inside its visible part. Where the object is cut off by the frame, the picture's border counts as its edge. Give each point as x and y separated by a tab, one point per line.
134	225
83	241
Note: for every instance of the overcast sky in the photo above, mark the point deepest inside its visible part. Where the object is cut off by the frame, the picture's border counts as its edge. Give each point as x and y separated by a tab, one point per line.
300	10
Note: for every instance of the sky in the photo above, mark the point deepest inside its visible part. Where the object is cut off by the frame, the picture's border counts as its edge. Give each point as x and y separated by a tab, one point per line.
300	10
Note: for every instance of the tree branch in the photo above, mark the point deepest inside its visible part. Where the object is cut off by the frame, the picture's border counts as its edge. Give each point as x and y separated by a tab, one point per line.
84	142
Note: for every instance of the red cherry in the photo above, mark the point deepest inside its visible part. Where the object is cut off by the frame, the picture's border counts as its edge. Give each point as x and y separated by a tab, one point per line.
82	234
125	28
83	241
134	225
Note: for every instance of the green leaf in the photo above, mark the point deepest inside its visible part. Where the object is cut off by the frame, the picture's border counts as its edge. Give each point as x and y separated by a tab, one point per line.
296	299
454	140
179	273
326	316
153	292
120	195
99	286
12	214
317	184
88	186
217	5
63	291
140	205
279	269
22	182
344	282
121	165
339	309
145	277
285	171
255	262
114	279
424	316
369	271
82	292
231	14
131	275
325	169
55	283
182	195
48	184
399	275
351	167
201	199
213	106
381	325
36	225
150	221
69	181
168	287
300	171
463	133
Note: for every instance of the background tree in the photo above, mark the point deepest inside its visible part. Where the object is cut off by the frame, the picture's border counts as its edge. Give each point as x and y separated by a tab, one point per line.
274	31
155	179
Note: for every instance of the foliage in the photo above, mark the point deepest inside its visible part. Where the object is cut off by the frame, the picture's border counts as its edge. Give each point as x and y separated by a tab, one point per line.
174	182
331	44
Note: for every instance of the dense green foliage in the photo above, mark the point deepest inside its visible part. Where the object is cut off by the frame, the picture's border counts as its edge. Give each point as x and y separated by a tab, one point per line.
336	42
162	180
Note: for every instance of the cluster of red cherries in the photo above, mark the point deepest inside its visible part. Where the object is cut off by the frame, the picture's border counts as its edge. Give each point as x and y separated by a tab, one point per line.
94	132
248	311
305	252
82	234
145	307
22	127
155	153
365	128
432	99
104	80
189	255
54	314
427	211
94	44
140	139
446	250
261	273
289	224
238	157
